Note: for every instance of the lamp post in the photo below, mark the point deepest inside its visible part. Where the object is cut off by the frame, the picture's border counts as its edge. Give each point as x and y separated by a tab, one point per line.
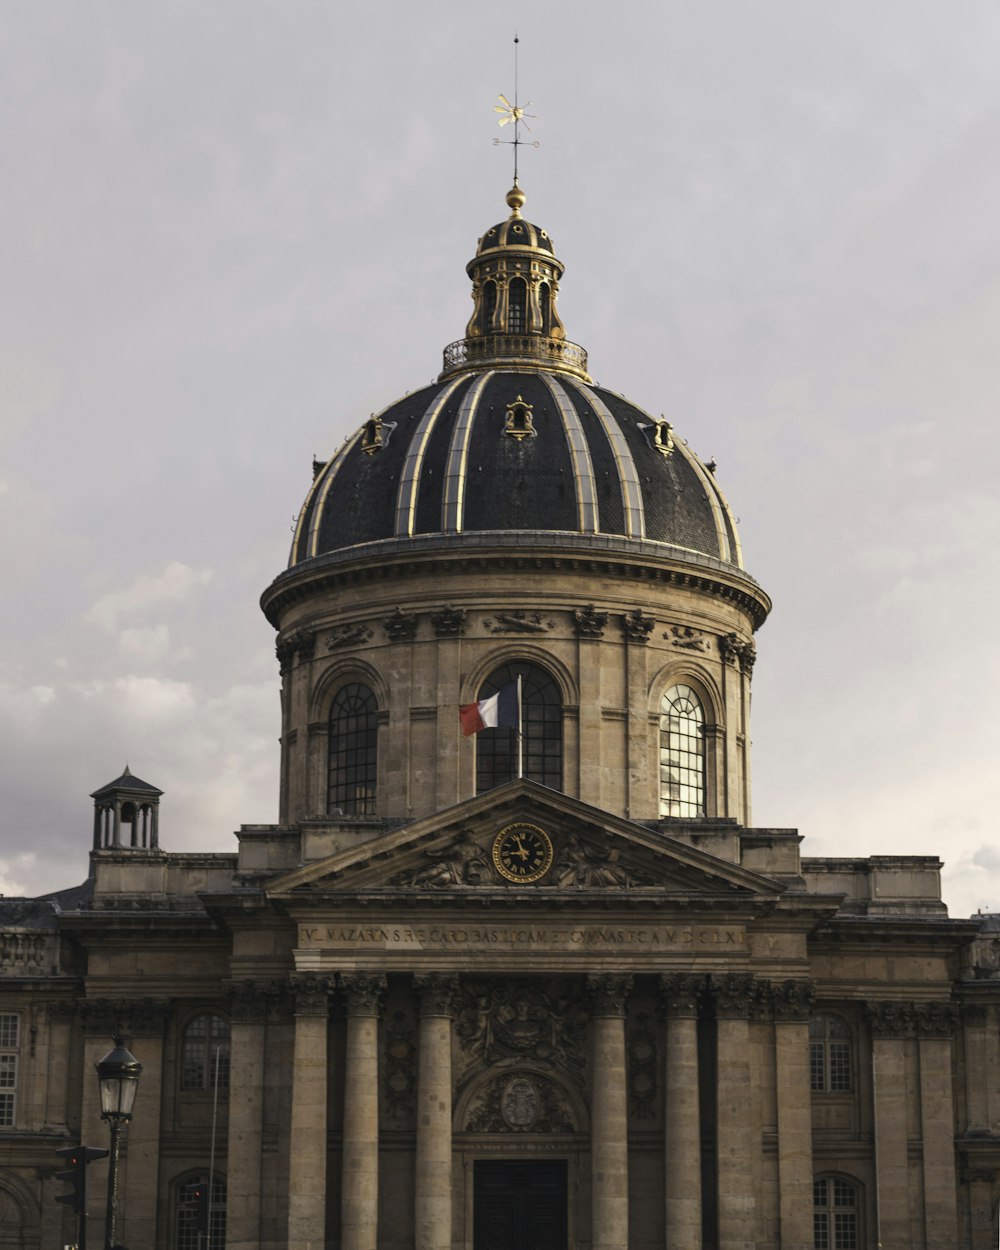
118	1076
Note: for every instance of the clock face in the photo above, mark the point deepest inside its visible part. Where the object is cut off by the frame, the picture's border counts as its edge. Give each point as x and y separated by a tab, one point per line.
522	853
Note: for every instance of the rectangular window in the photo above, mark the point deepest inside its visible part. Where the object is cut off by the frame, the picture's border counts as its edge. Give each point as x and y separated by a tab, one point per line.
10	1028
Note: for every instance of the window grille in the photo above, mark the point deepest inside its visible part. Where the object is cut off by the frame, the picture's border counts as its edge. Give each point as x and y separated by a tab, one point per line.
187	1236
204	1038
830	1055
517	306
682	753
10	1040
353	751
541	714
836	1225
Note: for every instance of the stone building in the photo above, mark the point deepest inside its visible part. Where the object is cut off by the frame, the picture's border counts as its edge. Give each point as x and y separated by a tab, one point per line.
549	990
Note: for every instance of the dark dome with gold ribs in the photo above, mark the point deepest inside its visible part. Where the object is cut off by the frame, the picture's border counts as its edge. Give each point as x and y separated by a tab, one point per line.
515	445
515	450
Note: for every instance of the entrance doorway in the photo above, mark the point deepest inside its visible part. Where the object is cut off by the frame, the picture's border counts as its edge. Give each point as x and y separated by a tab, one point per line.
519	1205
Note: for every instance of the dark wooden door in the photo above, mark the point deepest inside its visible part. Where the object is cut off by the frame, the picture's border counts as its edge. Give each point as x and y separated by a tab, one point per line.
519	1206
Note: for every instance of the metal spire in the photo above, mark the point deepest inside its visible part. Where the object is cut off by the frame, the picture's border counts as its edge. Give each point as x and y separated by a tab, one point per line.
516	114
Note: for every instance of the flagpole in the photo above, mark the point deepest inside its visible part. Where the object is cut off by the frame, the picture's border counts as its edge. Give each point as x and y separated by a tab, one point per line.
520	739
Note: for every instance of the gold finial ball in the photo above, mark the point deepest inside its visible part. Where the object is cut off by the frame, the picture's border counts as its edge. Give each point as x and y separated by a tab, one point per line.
515	200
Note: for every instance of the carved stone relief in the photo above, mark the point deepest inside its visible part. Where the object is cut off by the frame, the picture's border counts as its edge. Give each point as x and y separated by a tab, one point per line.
581	865
496	1020
401	626
449	622
686	638
464	862
519	622
400	1070
636	626
519	1102
737	650
300	645
642	1066
348	636
589	622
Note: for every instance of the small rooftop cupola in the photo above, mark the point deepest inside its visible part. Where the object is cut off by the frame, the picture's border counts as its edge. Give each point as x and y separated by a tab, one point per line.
126	814
515	281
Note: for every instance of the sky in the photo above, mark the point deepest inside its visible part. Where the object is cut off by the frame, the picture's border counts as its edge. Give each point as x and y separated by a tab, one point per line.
230	231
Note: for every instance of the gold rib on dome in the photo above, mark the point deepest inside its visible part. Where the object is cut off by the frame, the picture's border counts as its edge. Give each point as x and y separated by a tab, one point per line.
515	283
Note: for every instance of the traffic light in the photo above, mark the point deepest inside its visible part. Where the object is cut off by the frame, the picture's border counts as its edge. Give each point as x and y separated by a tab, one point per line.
198	1203
76	1174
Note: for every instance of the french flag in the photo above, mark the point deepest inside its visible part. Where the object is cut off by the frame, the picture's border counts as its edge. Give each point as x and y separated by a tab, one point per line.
499	709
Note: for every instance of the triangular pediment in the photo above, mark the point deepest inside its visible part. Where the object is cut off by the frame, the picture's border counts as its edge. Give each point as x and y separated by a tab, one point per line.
481	845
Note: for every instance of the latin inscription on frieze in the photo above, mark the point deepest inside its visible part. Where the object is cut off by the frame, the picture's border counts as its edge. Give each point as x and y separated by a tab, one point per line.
522	937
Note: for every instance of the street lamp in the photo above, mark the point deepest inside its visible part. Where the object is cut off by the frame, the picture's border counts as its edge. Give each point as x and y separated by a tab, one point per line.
118	1076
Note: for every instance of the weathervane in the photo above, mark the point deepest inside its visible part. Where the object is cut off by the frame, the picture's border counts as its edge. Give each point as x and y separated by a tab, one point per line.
516	114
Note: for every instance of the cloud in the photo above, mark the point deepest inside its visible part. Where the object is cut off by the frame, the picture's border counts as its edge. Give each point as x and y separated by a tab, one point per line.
149	646
176	583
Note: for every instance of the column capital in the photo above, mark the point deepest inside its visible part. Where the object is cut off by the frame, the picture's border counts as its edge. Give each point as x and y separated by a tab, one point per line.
133	1017
608	992
680	992
311	993
249	1000
792	1000
363	991
732	994
894	1018
435	992
936	1019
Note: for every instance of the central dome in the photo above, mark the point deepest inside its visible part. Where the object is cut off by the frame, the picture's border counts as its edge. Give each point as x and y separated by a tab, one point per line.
515	439
514	450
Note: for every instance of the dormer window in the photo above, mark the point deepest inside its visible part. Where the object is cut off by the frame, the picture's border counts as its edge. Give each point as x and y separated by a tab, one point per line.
520	423
376	434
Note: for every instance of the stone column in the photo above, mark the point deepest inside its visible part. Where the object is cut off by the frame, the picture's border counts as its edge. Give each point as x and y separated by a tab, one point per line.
640	801
307	1182
449	625
609	1111
433	1168
247	1006
586	780
792	1002
891	1024
359	1201
683	1126
935	1025
738	1137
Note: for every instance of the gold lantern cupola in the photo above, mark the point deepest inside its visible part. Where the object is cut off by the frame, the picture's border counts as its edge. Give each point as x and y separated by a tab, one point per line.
515	281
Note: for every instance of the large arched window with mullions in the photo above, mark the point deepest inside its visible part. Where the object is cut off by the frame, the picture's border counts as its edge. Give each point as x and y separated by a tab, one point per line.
353	751
541	731
682	753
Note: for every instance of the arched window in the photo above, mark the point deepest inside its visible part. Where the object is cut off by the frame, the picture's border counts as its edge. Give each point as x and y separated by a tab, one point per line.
517	306
204	1052
836	1214
541	726
489	305
186	1215
830	1055
353	751
682	753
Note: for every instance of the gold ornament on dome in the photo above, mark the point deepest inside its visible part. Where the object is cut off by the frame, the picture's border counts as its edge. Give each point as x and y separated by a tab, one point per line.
520	423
